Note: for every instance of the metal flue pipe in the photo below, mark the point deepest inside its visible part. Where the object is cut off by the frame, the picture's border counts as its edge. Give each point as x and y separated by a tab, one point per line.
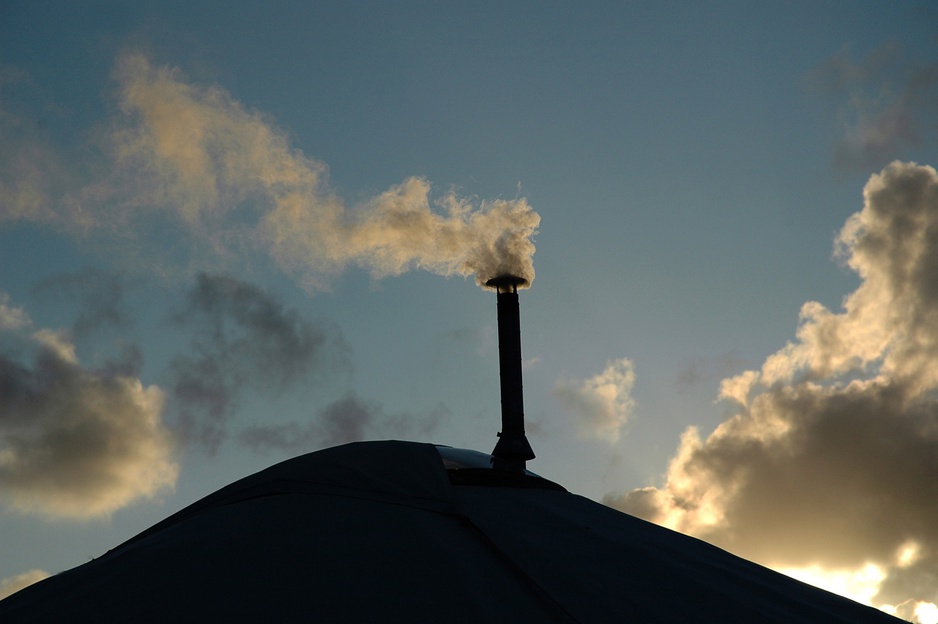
513	449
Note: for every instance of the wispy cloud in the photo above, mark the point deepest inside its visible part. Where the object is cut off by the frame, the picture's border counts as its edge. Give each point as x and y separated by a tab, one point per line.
25	185
11	316
602	403
243	337
889	105
830	457
347	420
76	442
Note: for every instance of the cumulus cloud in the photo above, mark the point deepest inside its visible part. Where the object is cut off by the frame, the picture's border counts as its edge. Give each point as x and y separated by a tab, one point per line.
347	420
13	584
78	443
189	162
243	337
829	459
890	104
602	403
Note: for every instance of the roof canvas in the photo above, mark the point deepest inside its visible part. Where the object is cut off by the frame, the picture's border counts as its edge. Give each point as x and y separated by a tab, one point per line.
379	531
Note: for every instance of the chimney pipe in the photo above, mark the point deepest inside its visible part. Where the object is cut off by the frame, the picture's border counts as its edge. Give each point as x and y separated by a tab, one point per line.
512	450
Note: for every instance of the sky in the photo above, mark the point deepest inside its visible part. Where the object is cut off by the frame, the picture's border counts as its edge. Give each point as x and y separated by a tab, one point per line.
232	233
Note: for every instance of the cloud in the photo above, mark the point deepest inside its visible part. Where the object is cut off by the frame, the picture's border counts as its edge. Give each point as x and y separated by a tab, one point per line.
189	163
23	180
243	337
889	105
830	457
918	612
601	404
12	317
13	584
347	420
78	443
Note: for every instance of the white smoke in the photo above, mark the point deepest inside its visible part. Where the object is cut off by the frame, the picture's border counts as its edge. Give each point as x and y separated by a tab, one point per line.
831	455
222	176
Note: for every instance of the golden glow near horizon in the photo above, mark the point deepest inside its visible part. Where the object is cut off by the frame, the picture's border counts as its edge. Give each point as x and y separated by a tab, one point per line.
861	584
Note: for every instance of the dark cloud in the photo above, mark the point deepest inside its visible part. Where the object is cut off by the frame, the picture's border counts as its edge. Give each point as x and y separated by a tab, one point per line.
889	105
809	474
76	442
244	337
347	420
831	456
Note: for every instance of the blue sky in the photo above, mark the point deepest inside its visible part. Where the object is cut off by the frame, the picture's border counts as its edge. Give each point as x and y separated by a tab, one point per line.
691	167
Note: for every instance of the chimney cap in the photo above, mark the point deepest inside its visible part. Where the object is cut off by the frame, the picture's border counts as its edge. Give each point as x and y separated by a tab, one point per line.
506	283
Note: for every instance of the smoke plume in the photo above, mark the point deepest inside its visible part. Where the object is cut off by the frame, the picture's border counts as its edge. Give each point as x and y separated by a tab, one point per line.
191	162
830	457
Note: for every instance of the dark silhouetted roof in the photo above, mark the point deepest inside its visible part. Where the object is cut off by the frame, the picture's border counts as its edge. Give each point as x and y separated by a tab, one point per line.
410	532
